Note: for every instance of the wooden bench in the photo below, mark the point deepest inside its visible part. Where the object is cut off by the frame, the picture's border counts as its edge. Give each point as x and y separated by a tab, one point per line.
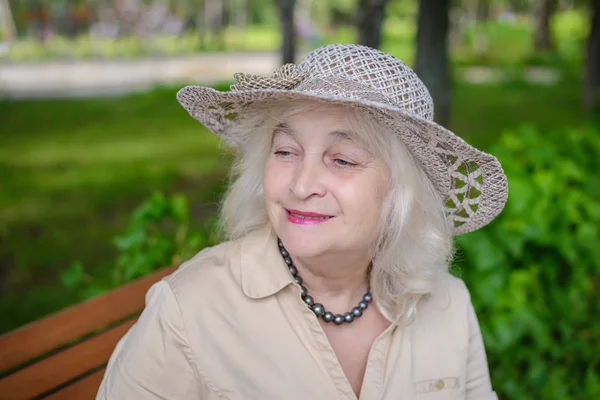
63	356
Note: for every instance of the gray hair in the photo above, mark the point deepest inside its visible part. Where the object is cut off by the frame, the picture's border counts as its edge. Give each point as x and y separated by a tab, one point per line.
414	245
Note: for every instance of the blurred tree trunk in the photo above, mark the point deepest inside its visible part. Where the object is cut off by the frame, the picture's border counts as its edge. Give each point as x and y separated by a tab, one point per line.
197	20
212	21
592	65
7	22
543	15
241	14
288	40
479	14
126	19
483	10
223	23
432	63
459	21
68	19
370	22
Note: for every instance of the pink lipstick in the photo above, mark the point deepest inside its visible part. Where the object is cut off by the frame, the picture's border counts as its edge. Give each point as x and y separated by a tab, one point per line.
306	217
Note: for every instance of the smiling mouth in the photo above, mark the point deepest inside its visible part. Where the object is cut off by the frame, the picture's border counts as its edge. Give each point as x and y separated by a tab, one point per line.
308	216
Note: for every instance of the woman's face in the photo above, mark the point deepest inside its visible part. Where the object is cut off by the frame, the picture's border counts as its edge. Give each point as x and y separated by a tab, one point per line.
323	190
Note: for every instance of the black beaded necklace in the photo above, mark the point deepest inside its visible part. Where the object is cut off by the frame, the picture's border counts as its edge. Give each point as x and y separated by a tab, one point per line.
318	308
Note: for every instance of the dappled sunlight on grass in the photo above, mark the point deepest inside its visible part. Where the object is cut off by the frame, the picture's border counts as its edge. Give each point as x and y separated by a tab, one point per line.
78	149
81	152
45	186
481	112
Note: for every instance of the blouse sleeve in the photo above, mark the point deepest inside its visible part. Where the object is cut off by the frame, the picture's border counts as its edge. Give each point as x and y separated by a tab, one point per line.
478	385
153	360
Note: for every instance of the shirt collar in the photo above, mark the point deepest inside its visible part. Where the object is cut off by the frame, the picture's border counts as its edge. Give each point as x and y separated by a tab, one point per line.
263	271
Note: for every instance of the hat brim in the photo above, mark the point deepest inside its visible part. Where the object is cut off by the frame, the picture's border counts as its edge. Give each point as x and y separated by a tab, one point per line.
471	182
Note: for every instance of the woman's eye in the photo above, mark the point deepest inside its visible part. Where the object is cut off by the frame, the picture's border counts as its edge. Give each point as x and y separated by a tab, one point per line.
283	153
343	163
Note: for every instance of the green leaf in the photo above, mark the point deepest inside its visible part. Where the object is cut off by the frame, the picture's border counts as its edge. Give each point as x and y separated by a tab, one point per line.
73	276
180	207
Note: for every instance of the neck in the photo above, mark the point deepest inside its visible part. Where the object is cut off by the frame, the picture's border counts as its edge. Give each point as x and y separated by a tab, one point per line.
337	281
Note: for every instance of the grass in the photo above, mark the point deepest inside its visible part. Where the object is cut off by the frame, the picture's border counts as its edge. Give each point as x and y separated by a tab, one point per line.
73	170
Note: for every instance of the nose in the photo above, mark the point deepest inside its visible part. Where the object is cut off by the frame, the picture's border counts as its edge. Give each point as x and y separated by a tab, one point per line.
309	179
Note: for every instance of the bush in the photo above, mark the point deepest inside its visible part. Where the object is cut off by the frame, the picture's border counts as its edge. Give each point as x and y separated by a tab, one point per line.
534	273
571	25
571	29
158	236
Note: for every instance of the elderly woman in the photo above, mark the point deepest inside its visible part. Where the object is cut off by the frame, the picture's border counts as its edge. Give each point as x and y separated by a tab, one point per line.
334	283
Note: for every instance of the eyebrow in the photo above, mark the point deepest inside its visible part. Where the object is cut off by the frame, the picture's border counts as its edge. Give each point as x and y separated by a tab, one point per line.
283	128
342	136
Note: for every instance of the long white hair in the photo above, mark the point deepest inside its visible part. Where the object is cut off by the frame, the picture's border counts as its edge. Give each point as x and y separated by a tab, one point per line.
414	245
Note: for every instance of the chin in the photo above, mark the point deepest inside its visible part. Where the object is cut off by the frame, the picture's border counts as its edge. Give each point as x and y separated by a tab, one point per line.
302	242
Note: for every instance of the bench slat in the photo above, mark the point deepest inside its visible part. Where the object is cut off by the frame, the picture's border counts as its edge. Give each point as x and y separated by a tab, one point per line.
60	368
84	389
37	338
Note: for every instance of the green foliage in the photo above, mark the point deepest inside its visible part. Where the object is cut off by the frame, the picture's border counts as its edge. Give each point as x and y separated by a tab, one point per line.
263	12
511	44
571	29
158	236
402	10
521	6
571	25
534	273
504	43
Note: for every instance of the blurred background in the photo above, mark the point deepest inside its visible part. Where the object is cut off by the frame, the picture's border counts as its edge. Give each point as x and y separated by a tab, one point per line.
105	178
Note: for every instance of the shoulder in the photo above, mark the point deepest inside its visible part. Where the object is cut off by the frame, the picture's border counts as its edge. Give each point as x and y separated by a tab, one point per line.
446	307
213	271
448	292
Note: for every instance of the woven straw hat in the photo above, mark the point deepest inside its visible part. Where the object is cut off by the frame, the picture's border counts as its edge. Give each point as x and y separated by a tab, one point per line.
471	182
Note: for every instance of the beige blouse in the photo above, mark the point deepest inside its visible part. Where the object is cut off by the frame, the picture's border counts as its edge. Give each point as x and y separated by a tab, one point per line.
230	324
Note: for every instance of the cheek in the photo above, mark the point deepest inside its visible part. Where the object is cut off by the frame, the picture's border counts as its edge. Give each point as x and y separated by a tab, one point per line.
274	181
380	185
364	198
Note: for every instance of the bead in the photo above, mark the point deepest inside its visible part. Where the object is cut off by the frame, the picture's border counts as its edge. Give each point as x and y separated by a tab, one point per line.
328	317
308	300
318	309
